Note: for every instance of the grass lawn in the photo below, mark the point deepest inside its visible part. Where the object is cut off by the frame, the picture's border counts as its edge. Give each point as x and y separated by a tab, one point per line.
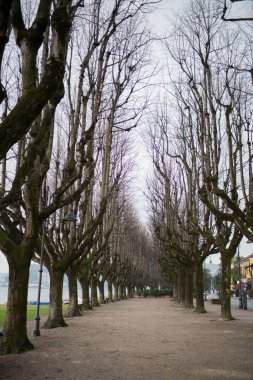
31	311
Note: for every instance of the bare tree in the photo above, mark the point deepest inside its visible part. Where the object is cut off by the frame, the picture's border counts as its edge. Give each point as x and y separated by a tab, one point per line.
206	109
22	208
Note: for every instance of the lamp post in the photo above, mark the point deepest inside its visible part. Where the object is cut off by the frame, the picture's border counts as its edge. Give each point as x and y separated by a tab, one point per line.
36	330
240	306
70	216
204	278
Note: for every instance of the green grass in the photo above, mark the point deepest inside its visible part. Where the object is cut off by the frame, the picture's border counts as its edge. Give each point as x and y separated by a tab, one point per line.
31	311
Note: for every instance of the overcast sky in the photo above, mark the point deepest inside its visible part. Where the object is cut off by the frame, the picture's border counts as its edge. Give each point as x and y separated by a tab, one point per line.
159	25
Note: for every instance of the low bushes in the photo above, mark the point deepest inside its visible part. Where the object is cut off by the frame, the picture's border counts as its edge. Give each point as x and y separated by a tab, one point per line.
154	293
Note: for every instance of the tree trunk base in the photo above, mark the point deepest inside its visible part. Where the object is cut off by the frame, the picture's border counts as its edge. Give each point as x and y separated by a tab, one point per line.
188	305
200	310
86	308
72	313
53	323
227	319
7	347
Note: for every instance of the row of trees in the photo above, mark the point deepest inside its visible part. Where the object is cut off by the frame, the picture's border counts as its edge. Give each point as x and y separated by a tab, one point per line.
201	190
71	75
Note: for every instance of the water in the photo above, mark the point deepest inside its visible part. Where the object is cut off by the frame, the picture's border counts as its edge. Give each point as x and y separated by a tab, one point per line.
33	294
44	297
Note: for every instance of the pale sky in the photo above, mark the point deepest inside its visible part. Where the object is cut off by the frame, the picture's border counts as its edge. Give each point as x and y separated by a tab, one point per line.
159	25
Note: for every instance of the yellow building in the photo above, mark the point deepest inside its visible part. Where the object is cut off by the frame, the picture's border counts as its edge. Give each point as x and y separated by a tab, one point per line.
246	268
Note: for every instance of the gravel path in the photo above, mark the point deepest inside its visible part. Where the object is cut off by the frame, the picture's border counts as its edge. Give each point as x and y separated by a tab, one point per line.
140	339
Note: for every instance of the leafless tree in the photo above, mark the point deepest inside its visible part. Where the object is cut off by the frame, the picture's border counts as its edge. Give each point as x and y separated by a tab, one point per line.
31	121
209	108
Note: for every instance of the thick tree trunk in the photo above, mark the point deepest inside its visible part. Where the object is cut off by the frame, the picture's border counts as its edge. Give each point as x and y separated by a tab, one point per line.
180	289
188	296
124	295
116	294
110	295
175	292
14	339
73	309
85	284
120	293
94	293
130	292
55	317
225	287
199	285
101	288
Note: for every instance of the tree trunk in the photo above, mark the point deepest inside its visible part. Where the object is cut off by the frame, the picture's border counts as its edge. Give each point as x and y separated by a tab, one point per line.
175	292
225	287
188	296
116	294
101	288
180	289
199	285
120	294
94	293
110	295
55	317
73	309
130	292
14	339
124	295
85	284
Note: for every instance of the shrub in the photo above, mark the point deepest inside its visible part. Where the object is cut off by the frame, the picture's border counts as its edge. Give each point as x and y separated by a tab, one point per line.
154	292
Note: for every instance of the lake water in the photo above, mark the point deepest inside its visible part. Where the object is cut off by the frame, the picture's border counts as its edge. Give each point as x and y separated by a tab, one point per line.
44	297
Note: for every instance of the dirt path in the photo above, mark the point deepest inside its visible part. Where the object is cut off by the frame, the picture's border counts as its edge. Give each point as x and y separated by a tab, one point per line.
145	339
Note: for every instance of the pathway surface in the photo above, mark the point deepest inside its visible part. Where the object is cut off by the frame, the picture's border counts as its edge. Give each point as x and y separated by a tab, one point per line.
140	339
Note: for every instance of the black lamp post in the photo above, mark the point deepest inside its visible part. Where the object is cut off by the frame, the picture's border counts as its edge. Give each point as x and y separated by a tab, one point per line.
36	330
70	216
240	306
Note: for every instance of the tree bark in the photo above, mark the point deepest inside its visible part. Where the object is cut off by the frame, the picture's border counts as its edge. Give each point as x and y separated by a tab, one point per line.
5	7
101	288
116	294
84	281
225	287
73	309
181	289
94	293
188	294
55	317
182	286
175	292
130	292
200	305
110	295
120	294
15	338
